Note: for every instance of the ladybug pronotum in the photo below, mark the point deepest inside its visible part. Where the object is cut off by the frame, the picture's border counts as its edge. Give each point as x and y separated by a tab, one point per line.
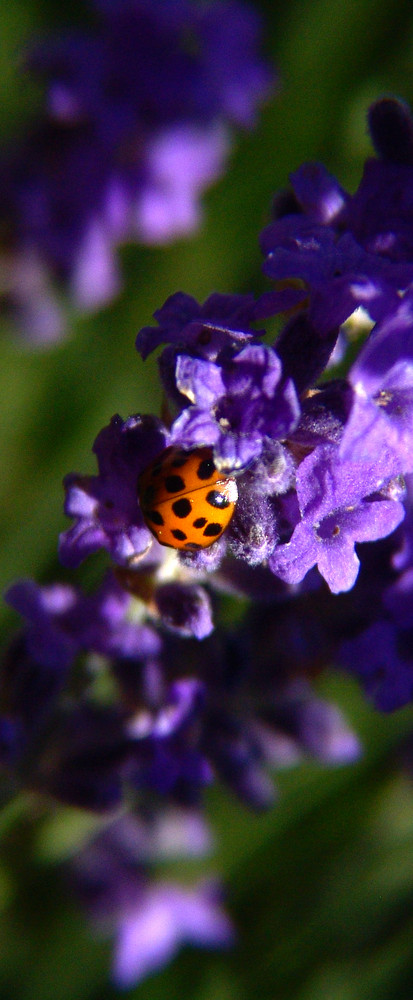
186	502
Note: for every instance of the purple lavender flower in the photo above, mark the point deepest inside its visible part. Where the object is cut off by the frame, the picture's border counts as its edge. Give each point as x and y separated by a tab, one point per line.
181	711
240	403
136	127
259	710
367	630
107	515
381	417
339	504
127	701
105	507
149	919
54	204
77	749
209	331
184	608
63	622
235	405
382	664
183	916
292	724
348	251
169	758
313	478
180	62
205	330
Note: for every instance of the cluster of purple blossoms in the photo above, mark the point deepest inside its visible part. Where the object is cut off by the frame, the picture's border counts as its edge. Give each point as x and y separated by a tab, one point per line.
104	710
137	123
144	694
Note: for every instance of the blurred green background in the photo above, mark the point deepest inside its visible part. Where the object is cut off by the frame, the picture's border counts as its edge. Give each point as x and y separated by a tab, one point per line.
321	888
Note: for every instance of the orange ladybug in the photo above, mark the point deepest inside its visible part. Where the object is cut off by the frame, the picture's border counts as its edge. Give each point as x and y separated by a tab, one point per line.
186	502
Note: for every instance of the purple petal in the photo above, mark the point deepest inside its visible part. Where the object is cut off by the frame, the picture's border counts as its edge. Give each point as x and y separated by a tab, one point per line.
169	916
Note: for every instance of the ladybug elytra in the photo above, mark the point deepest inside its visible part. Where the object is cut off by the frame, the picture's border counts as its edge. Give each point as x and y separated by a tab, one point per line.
186	502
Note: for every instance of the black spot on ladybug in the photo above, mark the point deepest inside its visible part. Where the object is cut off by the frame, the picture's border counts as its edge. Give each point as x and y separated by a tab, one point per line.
148	497
182	507
199	523
213	529
155	517
180	460
179	535
193	546
217	499
174	484
205	469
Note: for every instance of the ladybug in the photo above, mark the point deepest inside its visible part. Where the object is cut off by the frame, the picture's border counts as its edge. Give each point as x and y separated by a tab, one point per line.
186	502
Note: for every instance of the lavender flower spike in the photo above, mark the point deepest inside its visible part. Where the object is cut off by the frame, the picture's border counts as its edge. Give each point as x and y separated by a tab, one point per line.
348	251
138	121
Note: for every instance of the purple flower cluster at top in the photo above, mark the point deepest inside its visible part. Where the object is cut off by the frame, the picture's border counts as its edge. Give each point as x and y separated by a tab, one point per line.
348	251
136	125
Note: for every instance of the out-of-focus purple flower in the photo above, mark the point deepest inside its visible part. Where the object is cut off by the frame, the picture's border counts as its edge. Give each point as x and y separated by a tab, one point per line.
181	915
348	251
368	629
53	203
259	710
9	742
382	663
137	125
169	757
149	919
48	610
73	746
398	599
181	712
184	609
76	750
181	61
62	622
307	725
